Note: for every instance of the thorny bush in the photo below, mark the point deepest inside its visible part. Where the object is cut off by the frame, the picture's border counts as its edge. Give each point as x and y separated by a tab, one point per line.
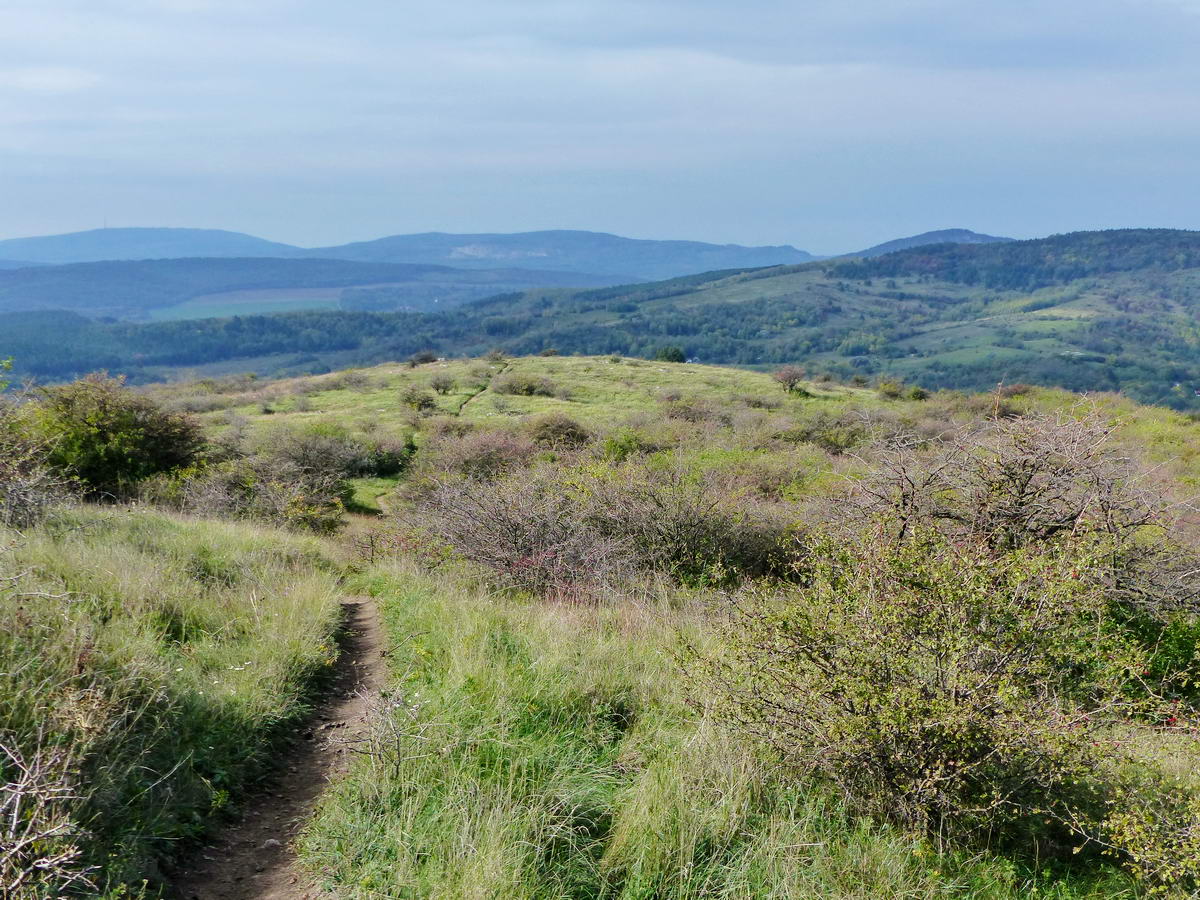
979	697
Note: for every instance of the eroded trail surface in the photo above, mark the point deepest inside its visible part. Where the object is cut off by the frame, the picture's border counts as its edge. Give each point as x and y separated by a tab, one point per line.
253	859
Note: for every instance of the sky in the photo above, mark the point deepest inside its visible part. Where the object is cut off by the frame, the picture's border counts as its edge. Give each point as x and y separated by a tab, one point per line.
830	125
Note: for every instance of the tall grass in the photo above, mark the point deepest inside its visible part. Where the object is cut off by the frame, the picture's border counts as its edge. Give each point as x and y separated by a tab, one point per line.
147	664
533	750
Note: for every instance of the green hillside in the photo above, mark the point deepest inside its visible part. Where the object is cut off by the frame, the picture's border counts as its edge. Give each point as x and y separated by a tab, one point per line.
1088	311
649	631
205	287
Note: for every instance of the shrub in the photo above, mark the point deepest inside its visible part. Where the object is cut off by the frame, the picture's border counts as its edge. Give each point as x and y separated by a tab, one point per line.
693	409
528	533
525	385
755	402
109	438
28	488
670	354
832	432
331	450
442	383
890	389
639	521
295	478
421	358
442	426
418	398
549	351
1020	389
971	696
1014	483
262	488
622	443
789	377
683	525
559	431
349	380
480	454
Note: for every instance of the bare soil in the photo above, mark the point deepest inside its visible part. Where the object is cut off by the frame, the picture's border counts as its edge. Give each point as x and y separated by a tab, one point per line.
254	859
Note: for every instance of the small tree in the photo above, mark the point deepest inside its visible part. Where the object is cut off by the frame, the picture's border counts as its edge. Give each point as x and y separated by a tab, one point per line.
418	398
108	437
889	388
421	358
559	430
442	382
789	377
671	354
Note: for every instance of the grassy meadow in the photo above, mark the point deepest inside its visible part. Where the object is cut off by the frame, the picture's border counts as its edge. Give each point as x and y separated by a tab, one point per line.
150	665
527	750
560	549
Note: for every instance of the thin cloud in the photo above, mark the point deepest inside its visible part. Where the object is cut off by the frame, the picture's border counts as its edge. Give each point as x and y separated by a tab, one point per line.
679	117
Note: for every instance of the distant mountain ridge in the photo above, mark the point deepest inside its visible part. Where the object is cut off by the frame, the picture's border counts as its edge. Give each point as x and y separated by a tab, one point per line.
103	244
594	253
578	251
591	252
929	238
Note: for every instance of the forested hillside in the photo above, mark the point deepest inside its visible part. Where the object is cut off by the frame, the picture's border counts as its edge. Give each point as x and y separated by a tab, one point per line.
205	287
1091	311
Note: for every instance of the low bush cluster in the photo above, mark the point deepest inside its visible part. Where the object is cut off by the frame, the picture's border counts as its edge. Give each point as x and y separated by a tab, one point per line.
557	430
295	478
568	532
526	385
992	644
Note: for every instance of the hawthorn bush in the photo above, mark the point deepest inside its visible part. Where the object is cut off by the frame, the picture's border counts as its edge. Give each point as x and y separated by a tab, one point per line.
28	487
107	437
558	430
525	385
977	697
534	529
994	641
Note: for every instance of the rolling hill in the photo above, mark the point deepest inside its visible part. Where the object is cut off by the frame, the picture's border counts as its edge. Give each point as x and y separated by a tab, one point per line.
579	251
945	236
616	258
1117	310
200	287
137	243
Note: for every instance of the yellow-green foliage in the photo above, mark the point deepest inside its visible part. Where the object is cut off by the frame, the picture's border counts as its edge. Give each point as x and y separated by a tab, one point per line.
532	750
151	661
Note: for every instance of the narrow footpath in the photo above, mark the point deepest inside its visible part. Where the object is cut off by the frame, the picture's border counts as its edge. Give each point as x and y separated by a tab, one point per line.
254	859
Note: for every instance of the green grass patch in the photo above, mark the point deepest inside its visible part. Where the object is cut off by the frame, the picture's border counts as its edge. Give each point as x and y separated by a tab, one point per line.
529	750
158	659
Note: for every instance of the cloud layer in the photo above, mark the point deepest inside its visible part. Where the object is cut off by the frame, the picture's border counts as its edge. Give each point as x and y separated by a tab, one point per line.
827	125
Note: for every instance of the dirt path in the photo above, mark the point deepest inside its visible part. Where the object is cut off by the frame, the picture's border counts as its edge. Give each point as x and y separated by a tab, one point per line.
254	859
482	390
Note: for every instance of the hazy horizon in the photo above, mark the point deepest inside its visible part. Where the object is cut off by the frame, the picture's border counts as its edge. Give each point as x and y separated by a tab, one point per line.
817	126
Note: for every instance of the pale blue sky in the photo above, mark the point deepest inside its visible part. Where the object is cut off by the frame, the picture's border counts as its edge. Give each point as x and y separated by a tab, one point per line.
828	125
